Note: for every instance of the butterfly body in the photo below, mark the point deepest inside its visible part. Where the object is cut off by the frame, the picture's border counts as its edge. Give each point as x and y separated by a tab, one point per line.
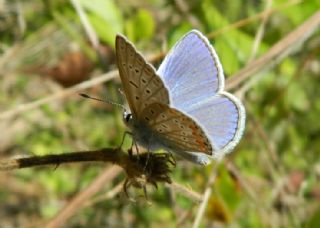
182	107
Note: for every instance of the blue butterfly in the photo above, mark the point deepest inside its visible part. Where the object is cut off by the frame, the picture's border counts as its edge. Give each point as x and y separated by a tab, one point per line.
182	107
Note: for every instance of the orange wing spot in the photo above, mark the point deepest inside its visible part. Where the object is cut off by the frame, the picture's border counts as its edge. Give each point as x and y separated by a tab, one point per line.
193	128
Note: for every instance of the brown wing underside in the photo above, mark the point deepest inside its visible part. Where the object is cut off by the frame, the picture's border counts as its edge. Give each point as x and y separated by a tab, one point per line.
142	86
178	130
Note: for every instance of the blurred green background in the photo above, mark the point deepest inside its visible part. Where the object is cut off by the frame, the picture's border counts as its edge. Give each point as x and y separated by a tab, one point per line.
272	179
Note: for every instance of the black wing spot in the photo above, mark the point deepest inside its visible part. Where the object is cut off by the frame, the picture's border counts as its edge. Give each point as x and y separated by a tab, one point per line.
137	98
176	121
144	81
146	118
137	71
182	127
165	126
130	66
160	130
157	81
151	111
134	84
148	91
163	116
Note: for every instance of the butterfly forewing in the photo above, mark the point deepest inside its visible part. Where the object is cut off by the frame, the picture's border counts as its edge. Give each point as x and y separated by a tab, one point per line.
141	84
177	130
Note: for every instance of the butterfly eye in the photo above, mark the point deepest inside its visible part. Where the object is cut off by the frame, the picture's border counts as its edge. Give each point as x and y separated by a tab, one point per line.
128	117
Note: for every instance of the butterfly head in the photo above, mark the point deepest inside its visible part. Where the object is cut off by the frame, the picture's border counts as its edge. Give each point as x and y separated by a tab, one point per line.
127	118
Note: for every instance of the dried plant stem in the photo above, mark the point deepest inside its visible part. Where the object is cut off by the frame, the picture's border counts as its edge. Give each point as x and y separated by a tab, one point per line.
79	200
260	32
189	193
279	51
205	197
246	21
104	155
93	37
108	195
59	95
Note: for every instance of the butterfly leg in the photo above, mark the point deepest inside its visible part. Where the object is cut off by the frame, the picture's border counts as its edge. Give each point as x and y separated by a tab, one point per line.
127	183
122	141
136	146
148	157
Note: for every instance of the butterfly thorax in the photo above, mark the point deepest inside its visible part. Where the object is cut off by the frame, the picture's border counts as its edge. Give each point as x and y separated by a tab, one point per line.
142	134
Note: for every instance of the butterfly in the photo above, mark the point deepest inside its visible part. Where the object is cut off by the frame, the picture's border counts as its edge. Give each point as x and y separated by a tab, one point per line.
181	107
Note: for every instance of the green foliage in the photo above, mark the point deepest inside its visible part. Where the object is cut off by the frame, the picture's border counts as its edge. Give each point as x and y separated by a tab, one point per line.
277	162
140	26
105	18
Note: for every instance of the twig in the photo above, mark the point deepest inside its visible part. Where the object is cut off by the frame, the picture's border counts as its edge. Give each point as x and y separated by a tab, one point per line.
61	94
86	24
103	155
90	32
78	201
257	41
108	195
205	198
189	193
260	32
248	20
278	52
258	204
142	169
235	25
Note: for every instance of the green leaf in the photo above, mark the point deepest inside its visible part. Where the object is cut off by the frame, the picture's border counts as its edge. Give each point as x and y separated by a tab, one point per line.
297	97
105	18
141	26
314	221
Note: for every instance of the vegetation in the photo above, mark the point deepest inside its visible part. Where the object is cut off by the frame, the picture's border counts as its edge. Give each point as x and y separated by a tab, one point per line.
49	55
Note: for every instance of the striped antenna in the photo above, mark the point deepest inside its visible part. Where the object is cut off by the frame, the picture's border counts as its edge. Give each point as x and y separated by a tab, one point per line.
105	101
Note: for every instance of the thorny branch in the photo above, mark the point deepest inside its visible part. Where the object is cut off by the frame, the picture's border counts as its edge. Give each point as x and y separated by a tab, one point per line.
142	169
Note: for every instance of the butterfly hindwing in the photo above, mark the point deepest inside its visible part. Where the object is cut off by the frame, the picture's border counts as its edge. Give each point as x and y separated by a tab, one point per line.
141	84
223	116
178	130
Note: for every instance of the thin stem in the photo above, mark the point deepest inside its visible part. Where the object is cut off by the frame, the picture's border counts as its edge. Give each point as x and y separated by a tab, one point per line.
103	155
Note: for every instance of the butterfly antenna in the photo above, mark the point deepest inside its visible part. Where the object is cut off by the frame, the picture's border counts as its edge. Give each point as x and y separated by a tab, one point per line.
105	101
